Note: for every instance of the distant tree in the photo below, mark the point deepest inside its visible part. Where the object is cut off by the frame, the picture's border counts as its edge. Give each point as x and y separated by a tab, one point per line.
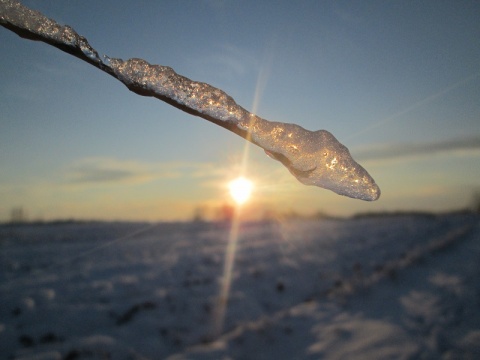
226	212
476	202
269	215
18	215
199	214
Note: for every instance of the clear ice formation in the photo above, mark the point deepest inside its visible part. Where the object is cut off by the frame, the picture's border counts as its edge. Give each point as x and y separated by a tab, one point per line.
314	158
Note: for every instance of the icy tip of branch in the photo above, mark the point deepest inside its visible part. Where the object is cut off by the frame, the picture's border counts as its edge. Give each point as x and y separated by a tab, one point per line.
314	158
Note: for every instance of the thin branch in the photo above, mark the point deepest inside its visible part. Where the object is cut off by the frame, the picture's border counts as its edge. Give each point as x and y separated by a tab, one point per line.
314	158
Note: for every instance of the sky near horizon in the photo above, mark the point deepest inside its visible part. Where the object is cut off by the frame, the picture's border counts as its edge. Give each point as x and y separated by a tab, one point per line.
397	82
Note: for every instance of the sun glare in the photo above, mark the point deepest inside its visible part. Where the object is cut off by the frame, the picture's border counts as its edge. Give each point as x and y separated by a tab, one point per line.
240	190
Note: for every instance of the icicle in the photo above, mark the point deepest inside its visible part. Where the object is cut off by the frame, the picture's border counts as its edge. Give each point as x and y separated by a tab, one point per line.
314	158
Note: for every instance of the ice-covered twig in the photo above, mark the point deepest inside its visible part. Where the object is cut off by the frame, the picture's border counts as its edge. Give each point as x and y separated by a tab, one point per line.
314	158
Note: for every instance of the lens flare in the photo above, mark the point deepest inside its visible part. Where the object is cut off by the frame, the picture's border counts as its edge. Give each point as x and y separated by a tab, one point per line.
240	190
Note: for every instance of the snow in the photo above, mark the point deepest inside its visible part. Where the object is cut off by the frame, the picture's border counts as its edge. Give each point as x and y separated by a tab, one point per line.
313	157
402	286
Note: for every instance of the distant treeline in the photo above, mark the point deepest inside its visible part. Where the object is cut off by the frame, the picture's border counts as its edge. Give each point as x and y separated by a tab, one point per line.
410	213
51	222
292	215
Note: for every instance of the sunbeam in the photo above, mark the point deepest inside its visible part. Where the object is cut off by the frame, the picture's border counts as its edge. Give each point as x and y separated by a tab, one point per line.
226	283
240	190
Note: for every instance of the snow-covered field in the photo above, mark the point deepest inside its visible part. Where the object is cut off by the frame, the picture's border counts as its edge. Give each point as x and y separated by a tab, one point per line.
391	287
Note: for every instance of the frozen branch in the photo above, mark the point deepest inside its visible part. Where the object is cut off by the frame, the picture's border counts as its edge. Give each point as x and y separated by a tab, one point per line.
314	158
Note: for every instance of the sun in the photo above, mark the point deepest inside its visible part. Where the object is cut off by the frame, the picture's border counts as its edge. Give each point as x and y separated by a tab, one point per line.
240	190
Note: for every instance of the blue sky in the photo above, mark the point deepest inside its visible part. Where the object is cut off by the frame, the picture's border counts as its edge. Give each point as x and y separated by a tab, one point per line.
397	82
